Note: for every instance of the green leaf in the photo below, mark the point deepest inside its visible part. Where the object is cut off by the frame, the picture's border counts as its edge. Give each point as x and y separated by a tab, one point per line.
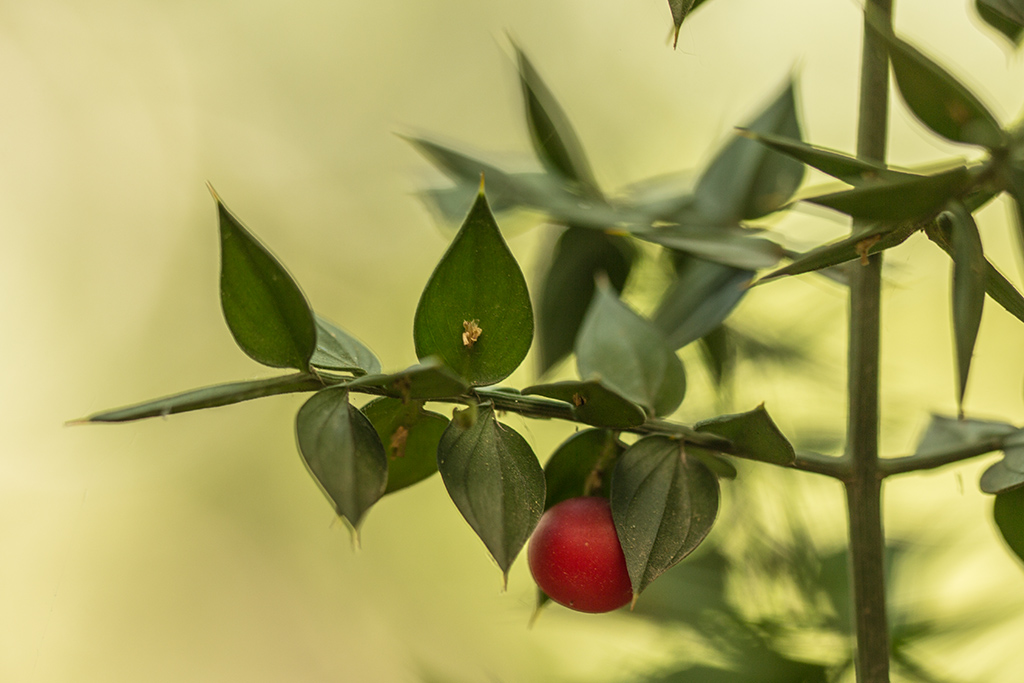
722	468
909	198
664	504
1000	478
551	133
938	99
593	403
868	240
754	435
474	313
343	453
629	355
1006	16
263	306
1008	512
495	481
428	380
700	298
719	354
568	286
746	180
582	466
729	245
946	433
968	289
209	397
680	10
410	436
339	351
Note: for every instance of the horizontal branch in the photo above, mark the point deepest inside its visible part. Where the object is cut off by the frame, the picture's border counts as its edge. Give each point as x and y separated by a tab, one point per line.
932	460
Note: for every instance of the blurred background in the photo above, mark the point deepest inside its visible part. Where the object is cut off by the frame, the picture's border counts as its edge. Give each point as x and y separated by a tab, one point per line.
197	548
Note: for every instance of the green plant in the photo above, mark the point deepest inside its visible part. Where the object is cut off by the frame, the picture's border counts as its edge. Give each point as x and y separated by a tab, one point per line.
475	325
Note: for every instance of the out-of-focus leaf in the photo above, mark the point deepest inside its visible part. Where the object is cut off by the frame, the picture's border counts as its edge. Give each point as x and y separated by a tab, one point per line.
581	466
1008	512
410	436
209	397
754	435
593	403
339	351
567	289
719	355
628	354
343	452
663	504
1006	16
495	481
945	433
427	380
968	289
553	137
746	180
700	298
475	313
868	240
265	310
909	198
729	245
999	478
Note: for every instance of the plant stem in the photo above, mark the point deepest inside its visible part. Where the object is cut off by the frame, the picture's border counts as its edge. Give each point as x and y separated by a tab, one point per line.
864	484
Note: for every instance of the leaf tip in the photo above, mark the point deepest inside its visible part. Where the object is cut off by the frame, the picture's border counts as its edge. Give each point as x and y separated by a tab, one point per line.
213	192
632	603
78	421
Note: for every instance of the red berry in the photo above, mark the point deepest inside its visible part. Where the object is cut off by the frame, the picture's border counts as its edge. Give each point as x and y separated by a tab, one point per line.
576	559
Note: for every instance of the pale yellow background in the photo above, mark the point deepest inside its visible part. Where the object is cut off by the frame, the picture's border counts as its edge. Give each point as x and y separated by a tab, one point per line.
197	548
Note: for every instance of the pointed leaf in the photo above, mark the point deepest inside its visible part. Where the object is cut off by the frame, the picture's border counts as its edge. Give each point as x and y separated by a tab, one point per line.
754	436
945	433
410	436
719	354
700	298
263	306
568	286
1006	16
339	351
474	313
664	504
495	481
728	245
1008	512
968	289
909	198
343	453
210	397
628	354
582	466
999	478
593	403
871	239
428	380
680	10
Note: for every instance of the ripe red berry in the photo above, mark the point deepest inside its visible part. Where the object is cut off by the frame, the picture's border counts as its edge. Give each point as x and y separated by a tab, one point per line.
576	559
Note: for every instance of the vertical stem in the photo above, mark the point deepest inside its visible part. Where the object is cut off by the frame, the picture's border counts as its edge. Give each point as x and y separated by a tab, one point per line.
864	486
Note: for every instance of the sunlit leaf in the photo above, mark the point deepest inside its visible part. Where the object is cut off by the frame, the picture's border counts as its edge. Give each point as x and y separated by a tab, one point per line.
754	435
582	466
495	481
968	289
664	505
264	308
343	453
907	198
729	245
427	380
410	436
475	313
1006	16
593	403
1008	512
700	298
337	350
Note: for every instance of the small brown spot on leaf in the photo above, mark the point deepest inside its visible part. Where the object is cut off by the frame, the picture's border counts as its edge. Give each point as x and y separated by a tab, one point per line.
864	246
579	399
471	331
398	439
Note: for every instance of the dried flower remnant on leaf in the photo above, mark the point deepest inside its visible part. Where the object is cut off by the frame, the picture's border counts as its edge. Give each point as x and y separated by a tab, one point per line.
471	332
398	439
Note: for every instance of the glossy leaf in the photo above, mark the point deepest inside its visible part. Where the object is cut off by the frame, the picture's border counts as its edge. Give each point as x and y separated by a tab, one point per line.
410	436
1008	512
553	137
999	478
339	351
475	313
208	397
264	308
580	255
746	180
909	198
700	298
495	481
729	245
968	289
945	433
754	435
343	453
869	240
582	466
628	354
664	504
428	380
593	403
1006	16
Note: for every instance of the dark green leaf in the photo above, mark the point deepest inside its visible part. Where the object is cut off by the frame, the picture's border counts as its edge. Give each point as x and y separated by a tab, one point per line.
680	10
938	99
719	354
425	381
551	133
339	351
871	239
968	289
495	481
581	466
410	436
722	468
945	433
746	180
474	313
209	397
700	298
629	355
568	286
729	245
664	504
1009	515
263	306
1006	16
999	478
754	435
343	453
593	403
909	198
